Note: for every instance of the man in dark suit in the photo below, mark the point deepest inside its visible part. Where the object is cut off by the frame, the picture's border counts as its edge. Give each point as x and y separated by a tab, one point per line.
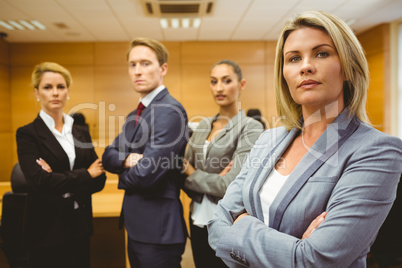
147	155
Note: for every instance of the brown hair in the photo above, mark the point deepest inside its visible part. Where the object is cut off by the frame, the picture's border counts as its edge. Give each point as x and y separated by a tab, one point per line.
159	49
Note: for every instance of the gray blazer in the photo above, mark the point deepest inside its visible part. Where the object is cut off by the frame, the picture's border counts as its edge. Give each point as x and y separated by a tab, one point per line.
352	172
233	143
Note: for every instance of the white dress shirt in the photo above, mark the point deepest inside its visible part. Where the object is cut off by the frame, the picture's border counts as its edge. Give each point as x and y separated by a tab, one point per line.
151	95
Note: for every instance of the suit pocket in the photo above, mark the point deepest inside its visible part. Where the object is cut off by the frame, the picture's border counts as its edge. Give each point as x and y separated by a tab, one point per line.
333	179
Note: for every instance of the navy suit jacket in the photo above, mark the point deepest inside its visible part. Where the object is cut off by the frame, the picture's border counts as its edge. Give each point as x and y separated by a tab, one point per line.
152	210
50	218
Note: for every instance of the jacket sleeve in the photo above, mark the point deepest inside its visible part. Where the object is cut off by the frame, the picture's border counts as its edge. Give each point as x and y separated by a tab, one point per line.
42	182
163	149
356	209
98	183
214	184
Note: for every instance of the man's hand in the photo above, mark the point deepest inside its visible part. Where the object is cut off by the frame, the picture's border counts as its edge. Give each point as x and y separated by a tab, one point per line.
314	225
45	166
132	160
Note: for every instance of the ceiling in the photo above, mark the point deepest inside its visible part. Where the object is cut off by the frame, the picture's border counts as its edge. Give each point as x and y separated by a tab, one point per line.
227	20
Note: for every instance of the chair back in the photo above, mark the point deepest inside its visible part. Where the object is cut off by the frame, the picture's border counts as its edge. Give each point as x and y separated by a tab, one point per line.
12	220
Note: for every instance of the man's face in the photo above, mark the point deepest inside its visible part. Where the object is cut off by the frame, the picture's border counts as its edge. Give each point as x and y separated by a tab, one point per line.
144	70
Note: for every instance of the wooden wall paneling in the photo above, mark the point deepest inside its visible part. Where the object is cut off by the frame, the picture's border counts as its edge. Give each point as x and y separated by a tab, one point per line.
4	53
211	52
115	99
5	98
6	157
82	95
24	107
173	78
375	42
172	81
269	112
5	113
111	53
196	97
23	54
253	97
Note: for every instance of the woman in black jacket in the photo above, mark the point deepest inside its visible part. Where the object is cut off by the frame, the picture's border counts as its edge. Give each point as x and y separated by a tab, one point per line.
63	170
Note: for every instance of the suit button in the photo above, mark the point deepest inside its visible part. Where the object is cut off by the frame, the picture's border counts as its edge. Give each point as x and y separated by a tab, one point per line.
233	255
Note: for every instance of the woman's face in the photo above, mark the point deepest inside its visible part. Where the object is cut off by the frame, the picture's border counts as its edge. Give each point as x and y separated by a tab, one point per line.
225	85
312	69
52	92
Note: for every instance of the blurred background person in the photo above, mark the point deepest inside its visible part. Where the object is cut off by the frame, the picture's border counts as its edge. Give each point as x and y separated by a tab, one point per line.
63	170
215	154
256	114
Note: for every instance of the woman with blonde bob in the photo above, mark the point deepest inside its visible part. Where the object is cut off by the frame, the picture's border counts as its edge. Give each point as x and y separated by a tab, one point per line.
314	192
63	171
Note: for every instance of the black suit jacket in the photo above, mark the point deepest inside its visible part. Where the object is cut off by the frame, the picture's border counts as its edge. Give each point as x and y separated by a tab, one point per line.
50	218
152	209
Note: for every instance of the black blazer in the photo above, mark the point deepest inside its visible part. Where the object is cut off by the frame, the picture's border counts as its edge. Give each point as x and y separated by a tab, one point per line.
50	218
151	207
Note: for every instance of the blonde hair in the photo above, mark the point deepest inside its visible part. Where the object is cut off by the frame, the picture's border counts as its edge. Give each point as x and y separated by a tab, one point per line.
159	49
351	55
44	67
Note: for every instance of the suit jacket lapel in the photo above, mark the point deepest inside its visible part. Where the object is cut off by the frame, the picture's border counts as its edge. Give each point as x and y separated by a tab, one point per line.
132	128
280	141
50	141
325	147
232	123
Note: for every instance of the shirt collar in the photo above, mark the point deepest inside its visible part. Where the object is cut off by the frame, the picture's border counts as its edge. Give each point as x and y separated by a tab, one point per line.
49	121
151	95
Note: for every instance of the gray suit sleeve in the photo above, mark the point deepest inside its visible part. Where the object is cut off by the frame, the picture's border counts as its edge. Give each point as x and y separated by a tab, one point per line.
213	184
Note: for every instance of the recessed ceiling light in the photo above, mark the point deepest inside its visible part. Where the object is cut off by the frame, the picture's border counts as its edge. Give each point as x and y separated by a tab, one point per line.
196	22
164	23
175	23
185	23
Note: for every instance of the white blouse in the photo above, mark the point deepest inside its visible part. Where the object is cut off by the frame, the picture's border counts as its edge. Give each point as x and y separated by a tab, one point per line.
65	138
270	190
203	212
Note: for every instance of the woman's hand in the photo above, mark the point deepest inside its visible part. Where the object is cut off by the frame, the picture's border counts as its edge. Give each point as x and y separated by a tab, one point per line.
226	169
240	216
45	166
132	160
96	169
314	225
188	169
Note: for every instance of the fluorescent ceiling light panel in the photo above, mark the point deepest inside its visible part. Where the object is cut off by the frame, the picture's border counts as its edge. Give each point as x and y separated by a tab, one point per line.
6	25
27	25
39	25
164	23
16	25
175	23
196	23
185	23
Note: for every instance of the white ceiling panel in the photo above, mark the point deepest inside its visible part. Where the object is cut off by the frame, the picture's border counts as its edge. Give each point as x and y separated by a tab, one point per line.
121	20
